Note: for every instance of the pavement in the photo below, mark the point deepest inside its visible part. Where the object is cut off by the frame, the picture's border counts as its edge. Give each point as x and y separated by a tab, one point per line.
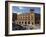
19	27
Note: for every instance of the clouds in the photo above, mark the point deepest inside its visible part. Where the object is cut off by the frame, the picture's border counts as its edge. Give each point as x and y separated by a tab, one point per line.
17	9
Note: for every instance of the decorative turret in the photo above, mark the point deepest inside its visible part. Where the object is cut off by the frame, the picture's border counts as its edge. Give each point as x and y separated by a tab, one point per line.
32	10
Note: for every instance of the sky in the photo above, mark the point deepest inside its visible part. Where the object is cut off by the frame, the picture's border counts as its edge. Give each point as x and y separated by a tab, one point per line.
18	9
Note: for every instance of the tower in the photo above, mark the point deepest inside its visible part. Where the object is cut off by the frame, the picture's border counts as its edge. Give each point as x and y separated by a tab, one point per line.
32	16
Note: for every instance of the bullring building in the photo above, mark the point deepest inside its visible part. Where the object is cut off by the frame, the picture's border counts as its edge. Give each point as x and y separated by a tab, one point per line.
28	19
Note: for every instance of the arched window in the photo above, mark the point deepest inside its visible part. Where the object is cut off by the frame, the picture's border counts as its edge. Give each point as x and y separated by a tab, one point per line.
28	22
25	22
22	22
32	23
